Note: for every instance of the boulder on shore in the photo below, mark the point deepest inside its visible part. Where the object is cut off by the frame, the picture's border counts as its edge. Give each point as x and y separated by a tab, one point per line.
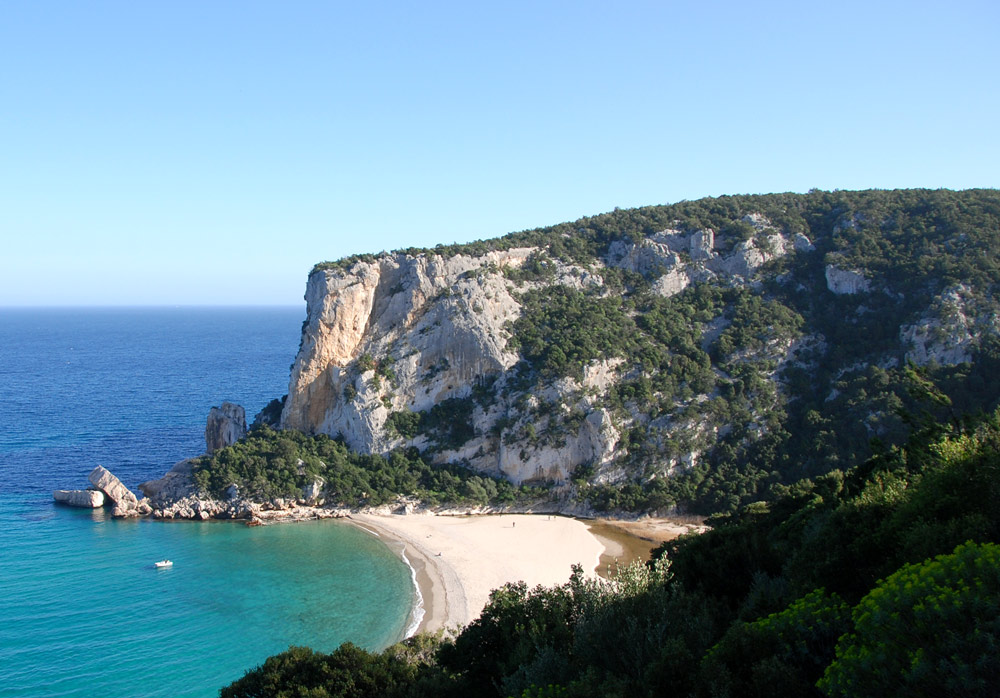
142	508
88	499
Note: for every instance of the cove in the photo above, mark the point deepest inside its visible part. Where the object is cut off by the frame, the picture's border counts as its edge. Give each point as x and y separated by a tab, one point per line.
86	613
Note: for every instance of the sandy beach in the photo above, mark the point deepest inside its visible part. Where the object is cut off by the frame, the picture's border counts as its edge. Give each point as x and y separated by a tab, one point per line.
459	560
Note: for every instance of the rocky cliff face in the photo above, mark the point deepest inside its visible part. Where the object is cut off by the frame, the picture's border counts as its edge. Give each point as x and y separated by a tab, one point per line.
225	426
404	333
732	325
951	329
430	326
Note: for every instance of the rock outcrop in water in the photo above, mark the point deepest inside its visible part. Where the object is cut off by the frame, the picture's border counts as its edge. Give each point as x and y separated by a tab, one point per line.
87	499
176	496
125	501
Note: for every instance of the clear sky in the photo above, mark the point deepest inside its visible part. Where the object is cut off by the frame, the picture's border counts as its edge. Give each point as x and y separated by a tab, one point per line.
211	152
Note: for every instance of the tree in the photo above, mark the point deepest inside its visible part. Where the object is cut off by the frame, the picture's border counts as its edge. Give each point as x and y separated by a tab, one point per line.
929	629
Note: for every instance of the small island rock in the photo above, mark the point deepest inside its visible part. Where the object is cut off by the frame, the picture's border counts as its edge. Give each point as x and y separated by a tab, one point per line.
88	499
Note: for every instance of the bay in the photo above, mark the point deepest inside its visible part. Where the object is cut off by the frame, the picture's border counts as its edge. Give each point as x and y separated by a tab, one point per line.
84	610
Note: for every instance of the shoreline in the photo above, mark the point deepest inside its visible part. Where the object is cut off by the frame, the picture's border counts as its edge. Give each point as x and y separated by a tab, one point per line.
457	560
440	602
426	580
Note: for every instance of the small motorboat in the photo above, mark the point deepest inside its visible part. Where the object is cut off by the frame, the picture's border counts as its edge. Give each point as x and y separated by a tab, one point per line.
163	563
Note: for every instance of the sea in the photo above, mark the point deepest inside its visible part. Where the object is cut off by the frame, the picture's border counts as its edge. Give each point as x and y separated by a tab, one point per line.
83	611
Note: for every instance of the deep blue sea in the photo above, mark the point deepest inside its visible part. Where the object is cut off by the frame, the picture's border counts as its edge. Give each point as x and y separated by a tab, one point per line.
83	612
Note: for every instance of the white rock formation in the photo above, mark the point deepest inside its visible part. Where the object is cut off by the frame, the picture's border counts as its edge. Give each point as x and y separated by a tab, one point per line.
802	243
101	478
88	499
647	257
175	484
225	426
702	245
757	220
404	333
126	503
312	493
593	444
661	256
744	261
950	330
845	281
671	283
440	320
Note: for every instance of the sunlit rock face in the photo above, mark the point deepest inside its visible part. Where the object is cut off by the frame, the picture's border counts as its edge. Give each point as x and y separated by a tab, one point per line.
399	333
423	349
845	281
87	499
225	426
124	500
951	329
405	333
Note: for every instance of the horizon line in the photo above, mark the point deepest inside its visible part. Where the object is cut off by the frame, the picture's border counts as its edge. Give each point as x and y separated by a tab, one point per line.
137	306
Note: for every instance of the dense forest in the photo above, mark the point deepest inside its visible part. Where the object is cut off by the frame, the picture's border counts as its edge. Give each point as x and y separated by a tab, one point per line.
269	464
881	580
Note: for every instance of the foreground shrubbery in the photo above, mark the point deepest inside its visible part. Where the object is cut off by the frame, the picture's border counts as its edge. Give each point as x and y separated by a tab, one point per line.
881	581
268	464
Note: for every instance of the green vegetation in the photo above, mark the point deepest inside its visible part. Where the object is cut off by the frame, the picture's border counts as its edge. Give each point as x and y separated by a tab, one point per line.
271	414
561	330
765	382
347	672
448	423
932	628
882	580
912	234
268	464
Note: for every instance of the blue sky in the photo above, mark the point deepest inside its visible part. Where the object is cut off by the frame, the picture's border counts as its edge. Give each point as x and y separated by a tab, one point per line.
211	152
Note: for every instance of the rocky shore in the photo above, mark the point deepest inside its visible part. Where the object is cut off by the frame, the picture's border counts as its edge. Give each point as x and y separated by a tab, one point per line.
176	495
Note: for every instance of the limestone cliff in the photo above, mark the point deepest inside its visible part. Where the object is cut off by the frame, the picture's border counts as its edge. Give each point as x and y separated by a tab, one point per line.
404	333
951	329
435	325
641	346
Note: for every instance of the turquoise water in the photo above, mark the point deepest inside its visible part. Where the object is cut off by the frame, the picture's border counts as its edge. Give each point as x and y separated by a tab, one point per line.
83	610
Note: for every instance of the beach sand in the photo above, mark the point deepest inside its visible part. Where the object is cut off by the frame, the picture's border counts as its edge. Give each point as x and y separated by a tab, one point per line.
459	560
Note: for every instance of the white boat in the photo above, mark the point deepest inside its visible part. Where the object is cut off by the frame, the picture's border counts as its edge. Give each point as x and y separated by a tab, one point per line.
163	563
